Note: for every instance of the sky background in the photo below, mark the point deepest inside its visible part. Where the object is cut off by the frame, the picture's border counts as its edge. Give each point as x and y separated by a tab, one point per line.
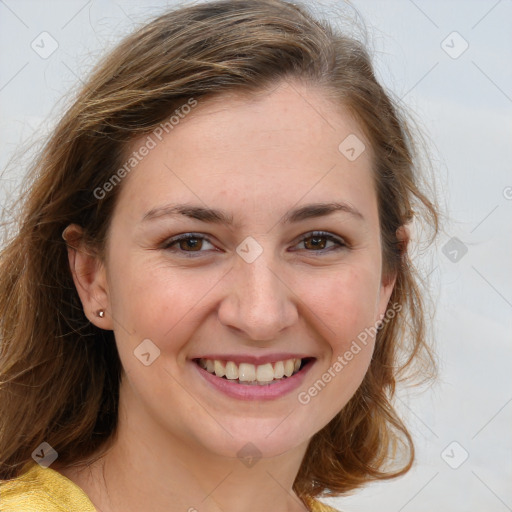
449	63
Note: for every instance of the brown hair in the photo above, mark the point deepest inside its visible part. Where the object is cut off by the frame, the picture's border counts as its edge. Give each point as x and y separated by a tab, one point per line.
59	374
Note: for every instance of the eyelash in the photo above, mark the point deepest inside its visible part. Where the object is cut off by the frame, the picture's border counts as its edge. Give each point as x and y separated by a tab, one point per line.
167	245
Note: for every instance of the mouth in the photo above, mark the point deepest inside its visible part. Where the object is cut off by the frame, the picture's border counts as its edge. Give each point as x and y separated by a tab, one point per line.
254	375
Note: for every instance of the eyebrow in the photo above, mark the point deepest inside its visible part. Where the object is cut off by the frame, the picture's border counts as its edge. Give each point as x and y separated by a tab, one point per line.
215	216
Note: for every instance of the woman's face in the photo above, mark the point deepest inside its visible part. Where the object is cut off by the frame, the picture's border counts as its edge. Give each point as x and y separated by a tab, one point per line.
264	289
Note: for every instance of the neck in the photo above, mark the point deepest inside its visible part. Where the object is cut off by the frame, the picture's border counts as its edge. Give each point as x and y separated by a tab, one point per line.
147	465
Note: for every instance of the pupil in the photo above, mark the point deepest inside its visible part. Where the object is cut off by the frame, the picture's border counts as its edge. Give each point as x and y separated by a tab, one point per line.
193	243
316	242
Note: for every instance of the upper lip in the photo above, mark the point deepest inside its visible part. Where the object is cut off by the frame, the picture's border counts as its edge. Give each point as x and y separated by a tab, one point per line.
252	359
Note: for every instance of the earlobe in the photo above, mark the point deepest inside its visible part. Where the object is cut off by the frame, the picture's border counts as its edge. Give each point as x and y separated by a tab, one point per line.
386	290
89	276
403	234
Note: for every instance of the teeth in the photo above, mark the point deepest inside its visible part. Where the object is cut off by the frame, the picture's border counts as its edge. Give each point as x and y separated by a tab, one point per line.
231	371
246	372
220	369
264	373
249	373
278	370
288	367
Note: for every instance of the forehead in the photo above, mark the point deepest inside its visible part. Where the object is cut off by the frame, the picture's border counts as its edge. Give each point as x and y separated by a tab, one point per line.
263	150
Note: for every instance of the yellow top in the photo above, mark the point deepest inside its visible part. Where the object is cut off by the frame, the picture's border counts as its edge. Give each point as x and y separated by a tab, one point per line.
46	490
43	490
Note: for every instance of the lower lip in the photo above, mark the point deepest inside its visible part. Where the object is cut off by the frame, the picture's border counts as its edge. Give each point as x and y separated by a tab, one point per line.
255	392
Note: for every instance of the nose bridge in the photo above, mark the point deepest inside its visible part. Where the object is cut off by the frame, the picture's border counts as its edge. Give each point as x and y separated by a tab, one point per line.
258	302
262	287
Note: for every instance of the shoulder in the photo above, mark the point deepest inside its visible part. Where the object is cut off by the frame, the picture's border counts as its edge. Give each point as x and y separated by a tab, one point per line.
40	489
322	507
318	506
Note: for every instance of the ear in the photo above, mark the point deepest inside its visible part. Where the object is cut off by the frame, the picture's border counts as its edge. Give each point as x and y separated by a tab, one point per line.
89	276
403	235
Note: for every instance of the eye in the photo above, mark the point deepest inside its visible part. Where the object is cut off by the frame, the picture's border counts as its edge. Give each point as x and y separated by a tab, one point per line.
316	241
188	243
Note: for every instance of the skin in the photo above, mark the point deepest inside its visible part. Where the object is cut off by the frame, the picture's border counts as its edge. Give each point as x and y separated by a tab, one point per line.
258	158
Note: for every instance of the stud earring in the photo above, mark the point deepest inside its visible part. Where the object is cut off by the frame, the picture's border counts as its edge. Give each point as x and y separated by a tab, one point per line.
101	313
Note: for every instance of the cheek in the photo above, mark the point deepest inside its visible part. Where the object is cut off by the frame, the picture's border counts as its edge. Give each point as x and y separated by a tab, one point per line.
344	301
159	302
347	307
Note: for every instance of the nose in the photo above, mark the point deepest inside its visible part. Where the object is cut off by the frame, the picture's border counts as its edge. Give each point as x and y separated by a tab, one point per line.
259	303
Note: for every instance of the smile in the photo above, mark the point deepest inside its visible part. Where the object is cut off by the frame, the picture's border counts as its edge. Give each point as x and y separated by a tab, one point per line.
250	374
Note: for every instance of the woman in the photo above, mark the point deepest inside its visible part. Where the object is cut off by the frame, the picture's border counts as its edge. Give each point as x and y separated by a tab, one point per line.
208	299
